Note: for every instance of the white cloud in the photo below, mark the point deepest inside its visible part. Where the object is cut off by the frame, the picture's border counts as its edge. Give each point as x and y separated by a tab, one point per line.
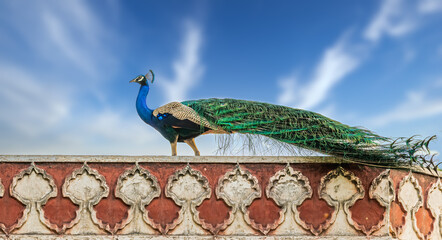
336	63
58	41
417	105
187	67
288	94
107	131
68	35
66	43
399	17
430	6
79	35
29	105
392	19
112	125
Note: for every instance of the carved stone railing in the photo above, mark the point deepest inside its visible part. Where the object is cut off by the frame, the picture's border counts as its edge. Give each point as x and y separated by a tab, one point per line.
148	197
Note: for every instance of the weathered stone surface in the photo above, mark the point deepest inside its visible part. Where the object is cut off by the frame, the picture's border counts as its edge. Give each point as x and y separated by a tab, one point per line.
111	212
188	188
263	213
11	209
340	189
238	188
214	213
33	187
167	199
289	188
434	203
137	188
411	198
85	187
59	210
382	190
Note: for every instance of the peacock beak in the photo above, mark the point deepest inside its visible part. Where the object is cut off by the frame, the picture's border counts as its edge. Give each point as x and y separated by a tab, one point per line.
133	80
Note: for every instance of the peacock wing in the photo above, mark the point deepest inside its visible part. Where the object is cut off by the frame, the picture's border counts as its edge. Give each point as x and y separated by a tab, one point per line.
183	113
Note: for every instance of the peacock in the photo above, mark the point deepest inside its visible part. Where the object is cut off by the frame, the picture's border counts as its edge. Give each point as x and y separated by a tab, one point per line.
184	121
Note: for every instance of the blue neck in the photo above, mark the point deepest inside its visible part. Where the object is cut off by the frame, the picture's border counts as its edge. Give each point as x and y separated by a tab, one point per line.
144	112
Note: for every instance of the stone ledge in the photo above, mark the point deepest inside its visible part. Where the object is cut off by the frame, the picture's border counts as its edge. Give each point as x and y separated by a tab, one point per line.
155	197
188	159
169	159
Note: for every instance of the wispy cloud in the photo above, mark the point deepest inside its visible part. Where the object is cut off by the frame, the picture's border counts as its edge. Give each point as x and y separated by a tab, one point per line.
27	105
61	33
66	36
78	35
398	17
430	6
65	42
416	105
336	63
40	96
395	18
288	95
113	125
392	19
187	67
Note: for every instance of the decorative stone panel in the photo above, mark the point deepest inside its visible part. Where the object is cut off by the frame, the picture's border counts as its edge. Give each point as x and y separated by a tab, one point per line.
85	187
238	188
188	188
434	203
137	187
411	198
340	189
382	190
175	197
11	209
33	187
289	188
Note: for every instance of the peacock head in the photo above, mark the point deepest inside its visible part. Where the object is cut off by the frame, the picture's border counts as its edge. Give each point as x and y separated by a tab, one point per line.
143	79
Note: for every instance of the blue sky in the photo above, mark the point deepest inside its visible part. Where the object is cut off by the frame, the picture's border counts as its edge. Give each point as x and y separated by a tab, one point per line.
65	67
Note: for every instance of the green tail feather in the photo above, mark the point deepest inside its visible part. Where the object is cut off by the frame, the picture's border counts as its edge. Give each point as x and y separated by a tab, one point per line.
306	129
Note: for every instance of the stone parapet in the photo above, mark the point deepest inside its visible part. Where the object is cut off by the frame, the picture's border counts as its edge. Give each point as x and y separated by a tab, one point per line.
156	197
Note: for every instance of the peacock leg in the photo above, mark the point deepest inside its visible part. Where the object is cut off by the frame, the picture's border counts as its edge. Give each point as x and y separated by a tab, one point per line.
173	146
191	143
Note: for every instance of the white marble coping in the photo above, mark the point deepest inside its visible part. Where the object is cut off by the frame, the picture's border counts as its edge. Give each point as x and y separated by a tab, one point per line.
169	159
190	159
